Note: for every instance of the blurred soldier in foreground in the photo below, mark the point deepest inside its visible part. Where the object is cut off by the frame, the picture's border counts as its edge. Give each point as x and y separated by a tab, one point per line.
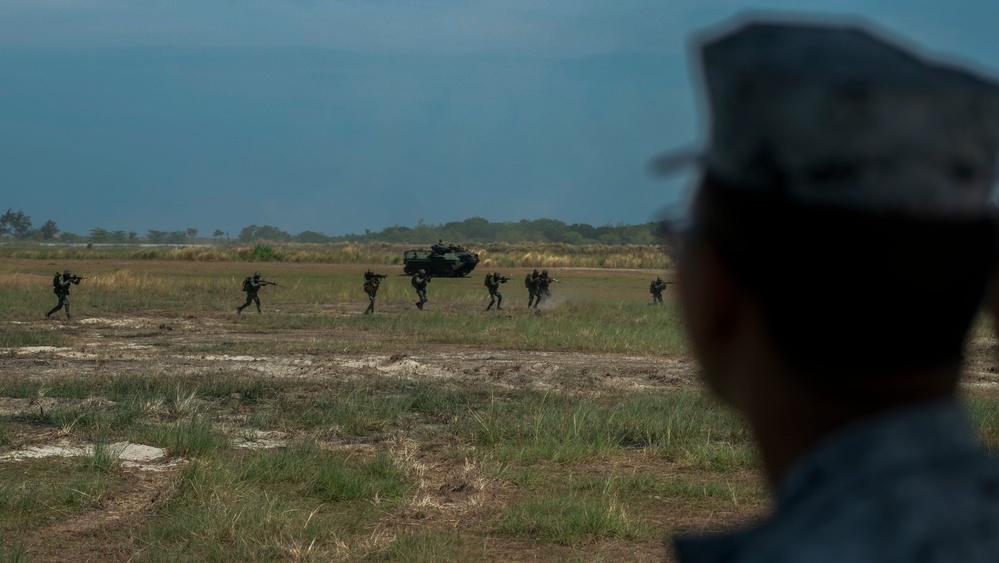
871	159
371	283
656	288
251	285
419	282
541	284
60	286
493	282
531	283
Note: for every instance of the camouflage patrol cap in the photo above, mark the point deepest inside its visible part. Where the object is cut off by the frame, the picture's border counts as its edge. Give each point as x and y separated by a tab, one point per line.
838	115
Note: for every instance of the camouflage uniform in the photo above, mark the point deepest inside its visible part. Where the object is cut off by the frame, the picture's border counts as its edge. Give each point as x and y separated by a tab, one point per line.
419	282
60	286
531	283
251	285
493	282
541	283
656	289
371	283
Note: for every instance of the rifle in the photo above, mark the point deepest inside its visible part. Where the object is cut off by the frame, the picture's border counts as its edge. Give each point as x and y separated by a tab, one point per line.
77	278
503	280
265	282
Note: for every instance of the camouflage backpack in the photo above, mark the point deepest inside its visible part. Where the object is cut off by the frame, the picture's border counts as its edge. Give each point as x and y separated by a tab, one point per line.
652	287
528	281
489	280
246	284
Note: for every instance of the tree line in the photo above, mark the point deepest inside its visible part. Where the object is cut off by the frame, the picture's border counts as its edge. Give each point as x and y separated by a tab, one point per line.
17	225
475	229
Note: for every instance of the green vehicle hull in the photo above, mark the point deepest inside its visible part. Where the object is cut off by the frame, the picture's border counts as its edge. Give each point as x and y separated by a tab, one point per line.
452	263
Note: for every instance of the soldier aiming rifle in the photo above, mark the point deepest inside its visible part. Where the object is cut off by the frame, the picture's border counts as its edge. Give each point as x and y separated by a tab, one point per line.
419	282
251	285
60	286
541	284
493	282
656	288
371	283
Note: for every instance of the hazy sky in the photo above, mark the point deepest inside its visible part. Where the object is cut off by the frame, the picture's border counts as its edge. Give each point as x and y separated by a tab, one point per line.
350	115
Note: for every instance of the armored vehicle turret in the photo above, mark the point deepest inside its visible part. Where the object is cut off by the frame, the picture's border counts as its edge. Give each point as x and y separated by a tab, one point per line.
442	260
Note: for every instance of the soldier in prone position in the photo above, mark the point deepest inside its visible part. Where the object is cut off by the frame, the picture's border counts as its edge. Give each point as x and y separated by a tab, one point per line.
60	286
656	288
419	282
251	285
371	283
493	282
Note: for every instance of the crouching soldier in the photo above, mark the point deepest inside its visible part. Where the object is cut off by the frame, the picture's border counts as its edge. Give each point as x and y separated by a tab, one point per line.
251	285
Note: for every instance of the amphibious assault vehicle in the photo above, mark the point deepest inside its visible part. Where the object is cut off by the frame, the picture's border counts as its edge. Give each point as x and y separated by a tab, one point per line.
442	260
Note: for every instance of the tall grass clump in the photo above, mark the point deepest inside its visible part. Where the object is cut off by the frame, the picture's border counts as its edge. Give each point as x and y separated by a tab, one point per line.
104	458
685	426
192	437
32	490
570	519
427	546
18	338
377	479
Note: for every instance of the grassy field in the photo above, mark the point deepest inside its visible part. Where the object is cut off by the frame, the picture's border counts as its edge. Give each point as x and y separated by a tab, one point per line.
315	433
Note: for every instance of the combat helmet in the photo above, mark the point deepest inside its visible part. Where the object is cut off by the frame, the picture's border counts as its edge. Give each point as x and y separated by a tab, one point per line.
535	272
256	275
422	272
544	273
496	275
659	278
67	272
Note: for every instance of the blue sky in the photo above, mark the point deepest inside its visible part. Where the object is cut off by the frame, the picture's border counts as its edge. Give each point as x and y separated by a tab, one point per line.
343	116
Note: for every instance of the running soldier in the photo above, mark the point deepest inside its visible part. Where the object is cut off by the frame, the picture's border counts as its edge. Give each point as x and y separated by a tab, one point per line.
420	281
251	285
542	283
493	282
531	283
60	286
371	283
656	288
